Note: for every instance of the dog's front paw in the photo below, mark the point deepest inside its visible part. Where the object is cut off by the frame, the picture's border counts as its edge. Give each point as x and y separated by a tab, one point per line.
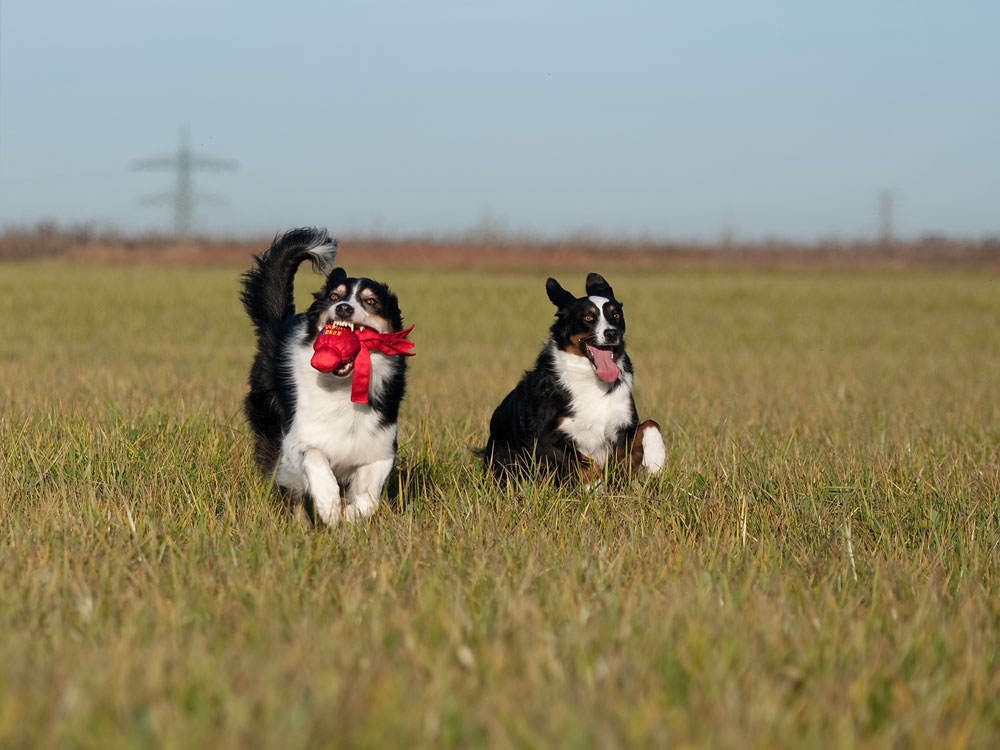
329	511
363	506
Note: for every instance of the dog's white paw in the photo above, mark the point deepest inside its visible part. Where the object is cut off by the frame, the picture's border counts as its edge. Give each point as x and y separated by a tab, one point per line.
328	511
363	506
654	452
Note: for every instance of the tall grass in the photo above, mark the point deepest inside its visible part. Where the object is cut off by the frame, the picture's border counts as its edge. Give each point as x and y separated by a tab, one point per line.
818	564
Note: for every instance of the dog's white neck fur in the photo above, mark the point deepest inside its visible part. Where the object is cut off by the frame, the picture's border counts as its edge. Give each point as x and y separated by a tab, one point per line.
600	410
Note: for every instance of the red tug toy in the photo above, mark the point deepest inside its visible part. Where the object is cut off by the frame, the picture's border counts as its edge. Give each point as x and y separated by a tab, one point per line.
336	346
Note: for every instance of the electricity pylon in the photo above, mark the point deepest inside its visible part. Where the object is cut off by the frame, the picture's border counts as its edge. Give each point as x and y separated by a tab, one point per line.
183	197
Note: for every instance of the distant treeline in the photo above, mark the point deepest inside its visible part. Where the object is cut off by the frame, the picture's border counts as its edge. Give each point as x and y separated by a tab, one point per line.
87	243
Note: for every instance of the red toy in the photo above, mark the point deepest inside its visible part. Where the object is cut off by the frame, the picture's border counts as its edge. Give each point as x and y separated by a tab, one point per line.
336	346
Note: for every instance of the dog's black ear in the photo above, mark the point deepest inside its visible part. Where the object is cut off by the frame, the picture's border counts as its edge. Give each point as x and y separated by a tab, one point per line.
559	296
598	287
335	278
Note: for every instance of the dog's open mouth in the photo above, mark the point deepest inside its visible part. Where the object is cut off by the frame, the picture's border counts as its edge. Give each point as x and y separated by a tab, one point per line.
347	367
356	327
603	360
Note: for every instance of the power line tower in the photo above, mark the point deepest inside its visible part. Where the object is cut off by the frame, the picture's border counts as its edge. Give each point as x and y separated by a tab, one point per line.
183	197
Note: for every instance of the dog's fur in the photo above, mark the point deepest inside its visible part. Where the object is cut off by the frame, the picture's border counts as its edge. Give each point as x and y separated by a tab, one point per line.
321	448
573	414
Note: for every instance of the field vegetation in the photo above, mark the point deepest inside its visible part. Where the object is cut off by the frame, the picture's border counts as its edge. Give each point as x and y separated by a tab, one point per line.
818	565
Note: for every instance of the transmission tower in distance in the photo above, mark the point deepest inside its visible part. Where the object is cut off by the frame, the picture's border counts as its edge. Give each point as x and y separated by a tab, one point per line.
183	197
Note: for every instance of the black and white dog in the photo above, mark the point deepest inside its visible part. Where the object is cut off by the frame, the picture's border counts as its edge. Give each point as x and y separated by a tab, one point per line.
574	413
320	446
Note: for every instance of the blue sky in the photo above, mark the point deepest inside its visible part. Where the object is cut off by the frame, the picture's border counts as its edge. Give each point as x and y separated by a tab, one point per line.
637	119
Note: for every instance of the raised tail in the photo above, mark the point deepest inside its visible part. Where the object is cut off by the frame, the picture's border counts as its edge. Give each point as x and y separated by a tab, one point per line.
268	288
268	296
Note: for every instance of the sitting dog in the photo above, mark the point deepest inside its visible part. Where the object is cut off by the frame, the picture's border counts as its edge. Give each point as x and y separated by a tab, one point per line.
574	413
321	445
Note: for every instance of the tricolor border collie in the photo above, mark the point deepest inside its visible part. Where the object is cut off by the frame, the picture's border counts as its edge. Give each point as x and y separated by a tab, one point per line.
322	449
574	413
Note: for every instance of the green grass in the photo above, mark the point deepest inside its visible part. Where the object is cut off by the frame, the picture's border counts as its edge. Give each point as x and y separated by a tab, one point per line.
818	566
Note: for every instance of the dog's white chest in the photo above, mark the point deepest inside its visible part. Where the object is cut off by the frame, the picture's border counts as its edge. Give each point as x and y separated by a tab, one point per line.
599	412
349	435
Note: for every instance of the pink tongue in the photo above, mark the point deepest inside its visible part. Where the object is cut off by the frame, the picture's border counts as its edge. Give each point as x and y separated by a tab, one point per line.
606	368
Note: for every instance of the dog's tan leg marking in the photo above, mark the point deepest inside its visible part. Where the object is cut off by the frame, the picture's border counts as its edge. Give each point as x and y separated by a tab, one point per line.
591	473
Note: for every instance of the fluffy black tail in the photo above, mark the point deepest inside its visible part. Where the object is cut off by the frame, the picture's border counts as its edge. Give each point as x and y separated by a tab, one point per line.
268	296
268	287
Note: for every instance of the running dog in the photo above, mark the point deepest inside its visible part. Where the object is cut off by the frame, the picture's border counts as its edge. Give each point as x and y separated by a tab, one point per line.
322	447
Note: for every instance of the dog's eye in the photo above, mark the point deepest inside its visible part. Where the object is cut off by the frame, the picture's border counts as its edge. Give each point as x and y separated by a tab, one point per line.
370	301
589	318
334	296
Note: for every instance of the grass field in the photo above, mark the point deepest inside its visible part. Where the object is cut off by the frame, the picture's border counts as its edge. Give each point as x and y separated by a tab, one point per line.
819	564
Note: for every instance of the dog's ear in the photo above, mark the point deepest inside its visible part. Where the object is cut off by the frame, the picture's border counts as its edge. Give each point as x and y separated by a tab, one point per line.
559	296
598	287
336	277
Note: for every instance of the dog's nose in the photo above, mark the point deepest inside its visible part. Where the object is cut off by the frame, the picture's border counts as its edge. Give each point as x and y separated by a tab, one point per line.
612	336
343	310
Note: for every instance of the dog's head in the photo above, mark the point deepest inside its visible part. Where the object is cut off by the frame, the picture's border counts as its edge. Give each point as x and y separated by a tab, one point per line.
592	326
355	303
